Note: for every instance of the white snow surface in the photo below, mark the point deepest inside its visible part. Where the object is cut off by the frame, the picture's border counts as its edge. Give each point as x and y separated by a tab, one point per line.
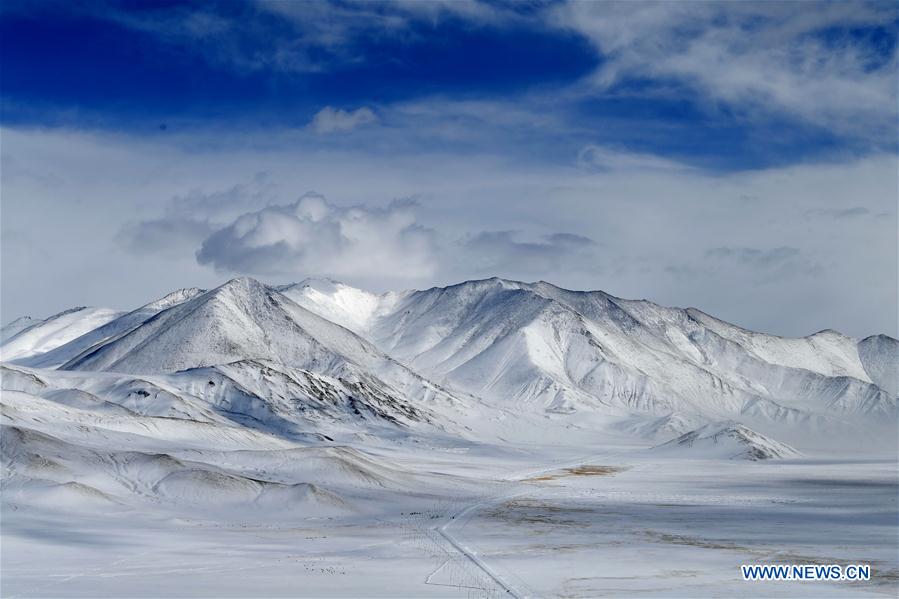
496	343
16	326
488	439
729	440
540	346
66	351
347	306
45	335
880	357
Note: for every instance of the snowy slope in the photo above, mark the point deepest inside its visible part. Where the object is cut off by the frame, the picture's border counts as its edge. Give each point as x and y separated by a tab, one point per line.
48	334
47	466
260	342
241	319
73	440
226	441
347	306
111	329
879	355
726	440
826	352
18	325
322	354
548	348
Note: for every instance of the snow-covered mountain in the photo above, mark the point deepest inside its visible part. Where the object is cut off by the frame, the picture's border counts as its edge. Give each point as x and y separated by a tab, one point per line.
535	344
13	328
340	303
879	355
729	440
318	351
246	348
26	337
116	327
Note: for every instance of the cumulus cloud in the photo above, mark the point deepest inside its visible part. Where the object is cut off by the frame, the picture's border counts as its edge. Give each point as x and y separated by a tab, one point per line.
191	217
330	120
314	237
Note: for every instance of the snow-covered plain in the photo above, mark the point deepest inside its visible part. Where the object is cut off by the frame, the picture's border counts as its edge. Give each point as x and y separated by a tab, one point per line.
492	438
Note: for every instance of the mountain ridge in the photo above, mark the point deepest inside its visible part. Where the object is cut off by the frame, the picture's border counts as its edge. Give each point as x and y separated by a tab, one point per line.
497	343
634	342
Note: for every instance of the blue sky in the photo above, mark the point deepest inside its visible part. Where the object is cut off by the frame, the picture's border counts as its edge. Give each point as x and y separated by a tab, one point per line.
120	67
462	128
142	66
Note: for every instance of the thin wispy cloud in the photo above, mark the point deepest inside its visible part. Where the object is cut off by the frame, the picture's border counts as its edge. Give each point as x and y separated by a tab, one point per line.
330	120
829	64
757	257
853	212
510	253
599	158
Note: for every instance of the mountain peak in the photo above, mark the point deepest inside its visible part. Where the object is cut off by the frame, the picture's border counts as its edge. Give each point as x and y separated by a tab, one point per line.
241	283
480	284
241	319
319	282
229	322
828	333
239	289
173	298
729	439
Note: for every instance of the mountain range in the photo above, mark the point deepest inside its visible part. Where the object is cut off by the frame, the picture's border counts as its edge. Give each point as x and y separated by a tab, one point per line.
323	359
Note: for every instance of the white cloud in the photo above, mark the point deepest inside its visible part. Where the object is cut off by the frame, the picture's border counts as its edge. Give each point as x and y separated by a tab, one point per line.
167	236
315	237
754	256
754	56
653	228
191	217
595	157
330	119
509	254
311	36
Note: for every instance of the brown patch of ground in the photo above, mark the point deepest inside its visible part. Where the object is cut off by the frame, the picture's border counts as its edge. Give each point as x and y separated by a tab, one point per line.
673	539
584	470
530	511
